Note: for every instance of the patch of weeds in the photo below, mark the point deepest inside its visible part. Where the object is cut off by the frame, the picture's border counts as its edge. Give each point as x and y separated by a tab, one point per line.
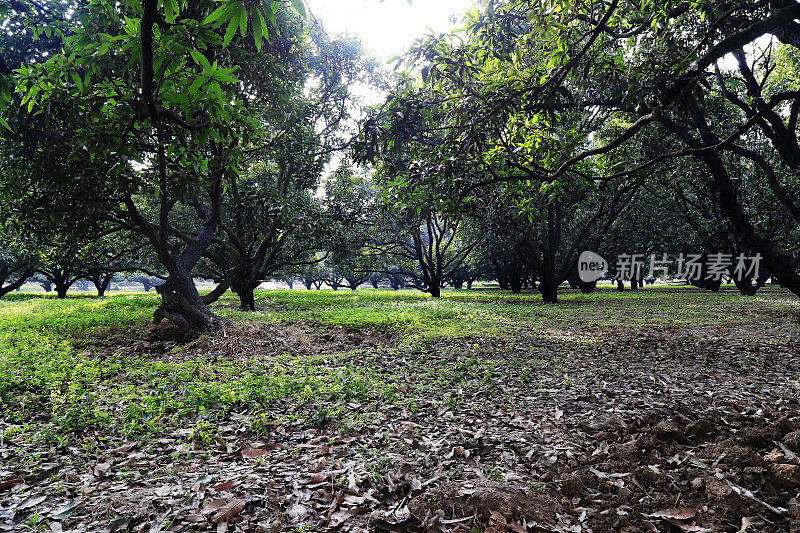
203	433
262	423
493	473
35	522
377	463
75	409
454	474
320	417
538	486
54	391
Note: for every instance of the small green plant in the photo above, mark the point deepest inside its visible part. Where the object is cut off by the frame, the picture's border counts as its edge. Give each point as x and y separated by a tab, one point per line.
202	432
36	522
493	473
321	417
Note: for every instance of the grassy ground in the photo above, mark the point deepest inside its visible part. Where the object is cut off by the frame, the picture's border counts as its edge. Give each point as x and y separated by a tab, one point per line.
82	376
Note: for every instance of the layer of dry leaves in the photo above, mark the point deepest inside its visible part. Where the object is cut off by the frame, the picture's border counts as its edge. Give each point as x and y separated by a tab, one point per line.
635	429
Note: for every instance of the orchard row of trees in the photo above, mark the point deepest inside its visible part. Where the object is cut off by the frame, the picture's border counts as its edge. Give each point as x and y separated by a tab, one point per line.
195	139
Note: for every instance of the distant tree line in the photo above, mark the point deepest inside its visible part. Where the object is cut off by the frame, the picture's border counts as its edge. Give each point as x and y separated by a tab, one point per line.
168	142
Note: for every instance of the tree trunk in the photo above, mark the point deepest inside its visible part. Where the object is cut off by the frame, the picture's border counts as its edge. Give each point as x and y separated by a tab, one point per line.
548	286
549	291
61	291
469	284
182	305
620	285
435	289
728	201
147	285
46	285
291	284
516	284
245	290
247	298
748	286
634	283
101	283
587	287
575	282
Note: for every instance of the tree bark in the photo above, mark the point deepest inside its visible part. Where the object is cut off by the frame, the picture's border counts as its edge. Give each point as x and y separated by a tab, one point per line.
549	290
182	304
247	298
102	283
435	289
548	284
587	287
244	287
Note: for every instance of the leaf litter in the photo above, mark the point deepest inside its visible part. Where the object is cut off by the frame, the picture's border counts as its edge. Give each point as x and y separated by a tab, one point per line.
601	429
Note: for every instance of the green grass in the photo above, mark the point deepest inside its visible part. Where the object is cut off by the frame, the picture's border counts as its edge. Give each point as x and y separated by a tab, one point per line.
52	387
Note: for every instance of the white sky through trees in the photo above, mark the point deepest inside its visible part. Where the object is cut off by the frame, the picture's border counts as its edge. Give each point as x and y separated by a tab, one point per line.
387	28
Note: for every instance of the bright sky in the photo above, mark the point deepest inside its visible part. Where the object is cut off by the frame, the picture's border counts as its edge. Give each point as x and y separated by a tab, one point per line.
389	27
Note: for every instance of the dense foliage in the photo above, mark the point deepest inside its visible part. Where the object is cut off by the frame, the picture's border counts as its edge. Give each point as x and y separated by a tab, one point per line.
205	133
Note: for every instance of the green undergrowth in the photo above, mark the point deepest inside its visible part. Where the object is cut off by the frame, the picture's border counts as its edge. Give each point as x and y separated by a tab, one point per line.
53	388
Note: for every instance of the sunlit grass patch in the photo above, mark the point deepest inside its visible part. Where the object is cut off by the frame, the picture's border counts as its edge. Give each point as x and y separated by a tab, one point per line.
467	342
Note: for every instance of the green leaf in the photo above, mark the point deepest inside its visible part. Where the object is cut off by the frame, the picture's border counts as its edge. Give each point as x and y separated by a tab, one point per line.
217	14
298	5
270	12
5	124
171	10
78	81
233	25
242	16
194	88
258	26
200	59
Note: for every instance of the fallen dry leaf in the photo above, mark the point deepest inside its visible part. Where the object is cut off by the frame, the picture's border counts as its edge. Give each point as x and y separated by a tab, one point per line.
8	483
227	485
682	513
228	511
297	512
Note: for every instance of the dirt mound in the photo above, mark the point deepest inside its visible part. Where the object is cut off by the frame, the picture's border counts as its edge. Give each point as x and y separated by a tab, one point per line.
242	341
484	501
260	340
